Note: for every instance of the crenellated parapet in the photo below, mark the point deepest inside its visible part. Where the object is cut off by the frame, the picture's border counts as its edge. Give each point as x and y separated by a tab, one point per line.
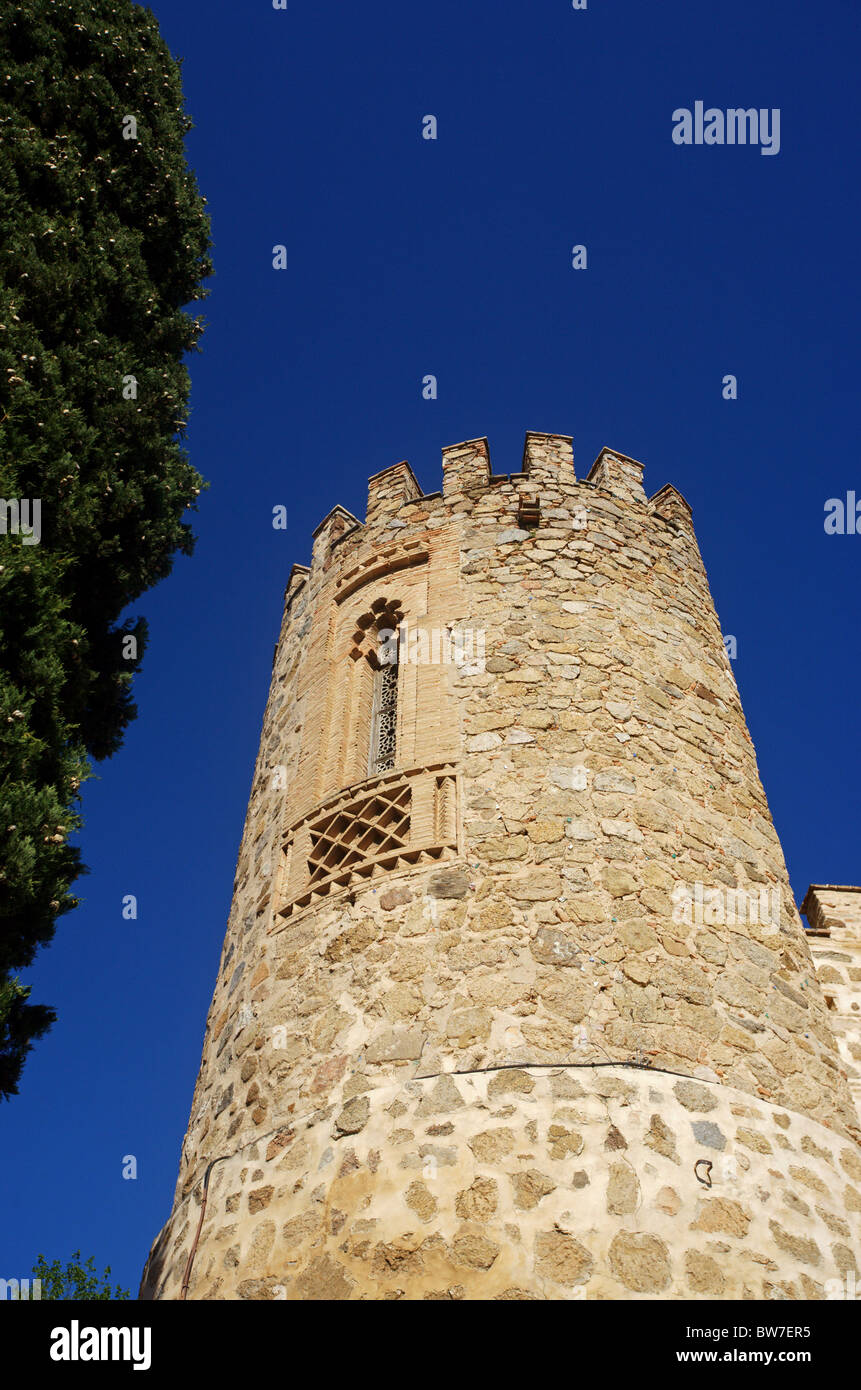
396	502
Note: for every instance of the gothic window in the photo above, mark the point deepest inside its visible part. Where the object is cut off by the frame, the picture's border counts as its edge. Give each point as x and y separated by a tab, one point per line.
375	645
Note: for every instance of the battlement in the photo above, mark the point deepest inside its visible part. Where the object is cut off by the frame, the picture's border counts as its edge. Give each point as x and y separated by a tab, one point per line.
389	490
619	474
395	497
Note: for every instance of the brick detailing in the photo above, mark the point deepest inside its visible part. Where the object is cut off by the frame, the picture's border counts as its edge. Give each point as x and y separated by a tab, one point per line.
395	821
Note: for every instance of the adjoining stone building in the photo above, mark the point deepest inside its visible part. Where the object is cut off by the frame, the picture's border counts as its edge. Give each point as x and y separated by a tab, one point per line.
466	1040
834	915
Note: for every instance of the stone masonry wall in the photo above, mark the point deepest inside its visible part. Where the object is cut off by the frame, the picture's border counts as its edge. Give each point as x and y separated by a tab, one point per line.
834	914
562	788
529	1183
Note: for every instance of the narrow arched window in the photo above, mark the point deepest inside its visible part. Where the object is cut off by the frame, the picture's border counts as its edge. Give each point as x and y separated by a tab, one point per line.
384	720
378	636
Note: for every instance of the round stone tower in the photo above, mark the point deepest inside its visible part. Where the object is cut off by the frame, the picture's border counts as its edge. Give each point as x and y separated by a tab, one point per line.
514	1001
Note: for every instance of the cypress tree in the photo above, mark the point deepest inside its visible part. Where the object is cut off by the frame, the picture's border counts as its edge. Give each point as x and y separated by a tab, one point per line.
104	239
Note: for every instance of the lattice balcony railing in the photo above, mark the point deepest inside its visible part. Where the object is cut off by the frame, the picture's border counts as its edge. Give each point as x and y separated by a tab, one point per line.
388	822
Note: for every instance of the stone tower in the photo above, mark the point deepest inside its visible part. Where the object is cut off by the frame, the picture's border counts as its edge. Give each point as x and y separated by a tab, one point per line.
514	1001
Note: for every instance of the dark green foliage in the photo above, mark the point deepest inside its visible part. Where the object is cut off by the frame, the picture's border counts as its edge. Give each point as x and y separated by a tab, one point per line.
103	240
76	1282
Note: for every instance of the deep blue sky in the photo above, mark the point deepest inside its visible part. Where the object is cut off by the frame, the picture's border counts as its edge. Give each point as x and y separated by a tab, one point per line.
408	257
